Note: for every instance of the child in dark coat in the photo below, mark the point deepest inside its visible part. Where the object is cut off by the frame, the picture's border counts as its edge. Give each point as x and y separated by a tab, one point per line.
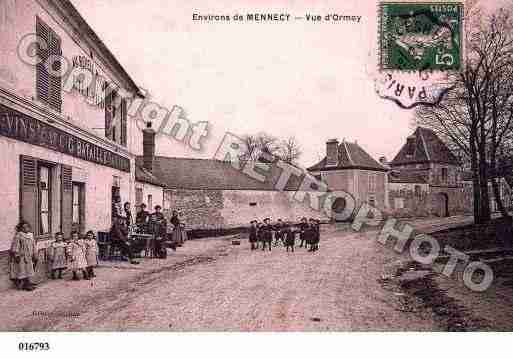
253	235
303	228
317	236
289	234
267	234
311	234
278	232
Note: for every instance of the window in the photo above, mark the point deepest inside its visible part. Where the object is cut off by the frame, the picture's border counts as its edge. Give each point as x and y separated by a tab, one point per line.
444	175
138	196
372	200
417	190
252	204
398	203
150	202
48	85
78	206
44	203
115	117
372	183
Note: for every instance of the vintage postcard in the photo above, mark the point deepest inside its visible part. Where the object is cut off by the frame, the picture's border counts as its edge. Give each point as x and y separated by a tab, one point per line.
253	166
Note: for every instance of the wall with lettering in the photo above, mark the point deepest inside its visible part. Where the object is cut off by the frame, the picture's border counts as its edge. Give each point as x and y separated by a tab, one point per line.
98	182
18	19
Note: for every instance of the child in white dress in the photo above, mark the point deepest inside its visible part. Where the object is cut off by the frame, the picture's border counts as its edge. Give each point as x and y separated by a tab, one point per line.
91	253
58	255
77	256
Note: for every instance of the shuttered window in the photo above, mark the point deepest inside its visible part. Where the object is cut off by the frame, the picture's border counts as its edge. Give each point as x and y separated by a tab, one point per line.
44	209
123	122
78	207
28	193
66	200
108	114
48	86
36	179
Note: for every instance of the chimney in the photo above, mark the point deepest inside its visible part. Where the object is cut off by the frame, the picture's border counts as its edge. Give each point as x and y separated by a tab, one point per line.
148	147
384	162
332	152
410	145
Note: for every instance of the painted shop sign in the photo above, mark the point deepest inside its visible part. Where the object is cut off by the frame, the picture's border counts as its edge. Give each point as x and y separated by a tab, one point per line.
16	125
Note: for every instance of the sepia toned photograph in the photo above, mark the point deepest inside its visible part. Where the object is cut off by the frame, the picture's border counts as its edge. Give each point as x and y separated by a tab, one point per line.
280	166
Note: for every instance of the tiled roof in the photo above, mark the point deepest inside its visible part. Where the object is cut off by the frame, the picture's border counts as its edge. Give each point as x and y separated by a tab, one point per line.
350	155
406	177
425	147
145	176
192	173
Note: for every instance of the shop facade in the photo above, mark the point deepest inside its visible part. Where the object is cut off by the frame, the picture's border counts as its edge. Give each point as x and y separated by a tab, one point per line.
65	141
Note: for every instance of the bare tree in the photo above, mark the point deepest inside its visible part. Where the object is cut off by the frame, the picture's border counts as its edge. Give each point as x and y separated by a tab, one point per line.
476	118
259	146
290	150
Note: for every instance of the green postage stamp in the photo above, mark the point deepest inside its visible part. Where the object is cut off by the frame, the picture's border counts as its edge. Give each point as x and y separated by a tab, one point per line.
417	36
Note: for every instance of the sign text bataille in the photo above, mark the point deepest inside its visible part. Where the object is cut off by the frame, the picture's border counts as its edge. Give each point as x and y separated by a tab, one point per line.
21	127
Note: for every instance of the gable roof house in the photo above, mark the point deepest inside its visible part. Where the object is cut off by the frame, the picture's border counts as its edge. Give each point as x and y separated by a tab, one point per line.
348	167
425	158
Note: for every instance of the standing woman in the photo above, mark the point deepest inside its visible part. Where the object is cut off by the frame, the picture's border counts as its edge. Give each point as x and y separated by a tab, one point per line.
23	256
177	231
182	227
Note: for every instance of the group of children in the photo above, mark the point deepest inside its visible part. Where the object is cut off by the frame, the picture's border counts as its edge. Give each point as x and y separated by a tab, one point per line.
285	233
76	254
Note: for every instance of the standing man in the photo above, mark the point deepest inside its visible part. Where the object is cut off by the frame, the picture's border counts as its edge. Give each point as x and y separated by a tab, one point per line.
116	211
128	214
142	216
158	222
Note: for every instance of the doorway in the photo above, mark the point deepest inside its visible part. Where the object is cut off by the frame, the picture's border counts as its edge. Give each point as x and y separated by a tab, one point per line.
443	205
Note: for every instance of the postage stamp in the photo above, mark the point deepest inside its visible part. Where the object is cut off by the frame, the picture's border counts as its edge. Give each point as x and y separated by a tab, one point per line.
421	36
420	45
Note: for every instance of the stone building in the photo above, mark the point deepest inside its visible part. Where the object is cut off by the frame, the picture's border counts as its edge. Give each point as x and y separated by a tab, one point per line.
65	139
348	167
426	179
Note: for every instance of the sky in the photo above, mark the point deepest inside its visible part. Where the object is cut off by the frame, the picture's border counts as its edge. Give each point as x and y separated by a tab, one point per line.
310	80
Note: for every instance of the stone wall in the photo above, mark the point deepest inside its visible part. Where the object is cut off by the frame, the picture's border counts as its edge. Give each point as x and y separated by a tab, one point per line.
406	201
421	200
213	209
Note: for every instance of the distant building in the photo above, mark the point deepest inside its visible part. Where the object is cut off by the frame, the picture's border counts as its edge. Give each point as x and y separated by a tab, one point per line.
425	178
348	167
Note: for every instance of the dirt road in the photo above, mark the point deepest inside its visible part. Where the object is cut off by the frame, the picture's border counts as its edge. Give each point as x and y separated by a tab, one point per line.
230	288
